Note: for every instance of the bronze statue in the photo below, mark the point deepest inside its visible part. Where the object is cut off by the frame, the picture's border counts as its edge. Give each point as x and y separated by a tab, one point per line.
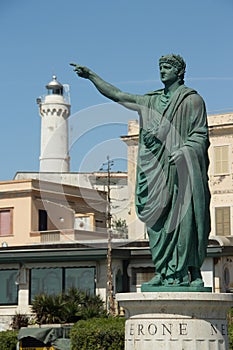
172	193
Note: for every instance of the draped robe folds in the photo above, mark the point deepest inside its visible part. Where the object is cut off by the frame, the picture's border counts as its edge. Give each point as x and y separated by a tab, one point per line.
172	199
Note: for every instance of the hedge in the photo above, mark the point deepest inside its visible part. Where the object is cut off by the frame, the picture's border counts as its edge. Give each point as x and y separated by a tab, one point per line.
98	334
230	328
8	340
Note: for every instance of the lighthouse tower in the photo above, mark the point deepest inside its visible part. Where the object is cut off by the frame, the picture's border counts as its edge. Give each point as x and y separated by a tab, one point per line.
54	112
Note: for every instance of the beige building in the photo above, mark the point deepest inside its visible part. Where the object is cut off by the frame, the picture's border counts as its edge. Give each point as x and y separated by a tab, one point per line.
114	183
221	187
221	173
35	211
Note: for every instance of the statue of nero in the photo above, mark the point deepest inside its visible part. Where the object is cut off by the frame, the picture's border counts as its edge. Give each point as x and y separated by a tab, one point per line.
172	193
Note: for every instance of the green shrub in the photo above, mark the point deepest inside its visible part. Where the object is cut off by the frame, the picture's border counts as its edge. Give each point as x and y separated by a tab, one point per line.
230	328
67	307
48	308
8	340
230	337
19	320
98	333
81	306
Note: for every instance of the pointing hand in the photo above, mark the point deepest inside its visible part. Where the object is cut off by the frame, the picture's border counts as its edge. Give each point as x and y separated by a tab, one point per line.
81	70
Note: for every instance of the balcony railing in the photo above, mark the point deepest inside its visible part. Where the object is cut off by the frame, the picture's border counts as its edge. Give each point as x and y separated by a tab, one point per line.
70	235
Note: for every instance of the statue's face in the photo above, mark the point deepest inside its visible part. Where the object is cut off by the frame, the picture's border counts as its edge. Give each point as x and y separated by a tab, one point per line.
168	73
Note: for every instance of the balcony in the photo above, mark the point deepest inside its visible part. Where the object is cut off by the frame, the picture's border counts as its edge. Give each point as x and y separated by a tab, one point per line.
70	235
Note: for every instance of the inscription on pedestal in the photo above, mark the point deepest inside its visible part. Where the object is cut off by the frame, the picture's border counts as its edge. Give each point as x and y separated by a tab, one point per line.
158	329
185	330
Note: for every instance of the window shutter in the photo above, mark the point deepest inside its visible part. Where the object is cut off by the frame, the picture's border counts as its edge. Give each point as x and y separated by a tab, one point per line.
221	160
222	221
5	223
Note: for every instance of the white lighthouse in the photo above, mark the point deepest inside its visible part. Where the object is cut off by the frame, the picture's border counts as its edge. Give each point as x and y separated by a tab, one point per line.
54	112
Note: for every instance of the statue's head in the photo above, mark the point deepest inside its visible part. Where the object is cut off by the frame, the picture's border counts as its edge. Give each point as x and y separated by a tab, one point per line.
177	62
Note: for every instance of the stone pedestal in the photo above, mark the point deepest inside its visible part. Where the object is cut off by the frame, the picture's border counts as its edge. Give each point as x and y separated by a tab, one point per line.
176	320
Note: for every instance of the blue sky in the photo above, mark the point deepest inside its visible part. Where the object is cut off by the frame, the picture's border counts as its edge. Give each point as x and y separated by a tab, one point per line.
120	40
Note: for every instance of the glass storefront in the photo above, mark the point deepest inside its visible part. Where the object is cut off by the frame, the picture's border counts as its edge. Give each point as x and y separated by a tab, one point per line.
56	280
8	287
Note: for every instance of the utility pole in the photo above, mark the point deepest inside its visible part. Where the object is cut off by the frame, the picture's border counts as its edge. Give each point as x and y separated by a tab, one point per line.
110	306
110	300
109	216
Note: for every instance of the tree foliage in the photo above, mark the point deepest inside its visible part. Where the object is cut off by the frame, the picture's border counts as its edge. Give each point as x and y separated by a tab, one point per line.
121	227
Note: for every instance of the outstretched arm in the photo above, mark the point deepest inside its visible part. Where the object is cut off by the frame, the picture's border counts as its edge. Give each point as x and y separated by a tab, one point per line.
108	90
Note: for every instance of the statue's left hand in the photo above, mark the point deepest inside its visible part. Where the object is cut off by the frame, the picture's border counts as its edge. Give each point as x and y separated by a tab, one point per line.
175	157
81	70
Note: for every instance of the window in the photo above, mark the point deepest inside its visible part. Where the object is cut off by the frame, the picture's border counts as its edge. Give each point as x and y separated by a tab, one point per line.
8	288
222	221
142	274
6	222
82	278
221	160
119	282
56	280
43	220
48	281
